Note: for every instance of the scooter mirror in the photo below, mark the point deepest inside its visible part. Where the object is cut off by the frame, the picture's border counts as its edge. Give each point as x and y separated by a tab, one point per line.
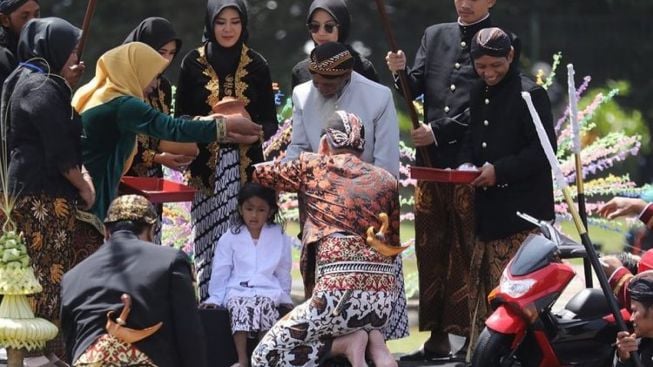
545	227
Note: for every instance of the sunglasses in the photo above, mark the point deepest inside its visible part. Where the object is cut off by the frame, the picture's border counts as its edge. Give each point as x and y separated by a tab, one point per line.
328	27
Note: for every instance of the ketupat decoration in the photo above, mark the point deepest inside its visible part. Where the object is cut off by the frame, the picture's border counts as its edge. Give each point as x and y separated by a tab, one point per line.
16	276
19	329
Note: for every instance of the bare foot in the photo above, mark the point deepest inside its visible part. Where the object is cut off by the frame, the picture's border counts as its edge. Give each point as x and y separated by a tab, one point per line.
378	352
351	346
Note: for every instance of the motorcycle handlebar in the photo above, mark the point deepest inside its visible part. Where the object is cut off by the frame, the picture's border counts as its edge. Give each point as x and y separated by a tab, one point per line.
568	248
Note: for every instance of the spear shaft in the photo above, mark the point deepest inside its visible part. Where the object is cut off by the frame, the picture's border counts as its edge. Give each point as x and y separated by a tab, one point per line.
403	77
90	9
580	187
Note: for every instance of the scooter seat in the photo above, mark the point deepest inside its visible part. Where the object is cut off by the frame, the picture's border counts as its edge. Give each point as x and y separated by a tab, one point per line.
588	303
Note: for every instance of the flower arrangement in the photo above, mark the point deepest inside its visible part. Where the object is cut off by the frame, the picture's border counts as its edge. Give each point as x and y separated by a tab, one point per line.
598	154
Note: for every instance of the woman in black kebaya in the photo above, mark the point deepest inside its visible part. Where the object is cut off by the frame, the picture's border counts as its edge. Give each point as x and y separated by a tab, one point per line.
223	67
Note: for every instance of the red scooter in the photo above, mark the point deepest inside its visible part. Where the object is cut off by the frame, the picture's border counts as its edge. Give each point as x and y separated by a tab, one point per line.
524	331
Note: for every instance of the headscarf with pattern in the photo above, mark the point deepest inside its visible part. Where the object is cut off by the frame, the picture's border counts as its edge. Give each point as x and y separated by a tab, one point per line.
331	59
491	42
135	208
345	131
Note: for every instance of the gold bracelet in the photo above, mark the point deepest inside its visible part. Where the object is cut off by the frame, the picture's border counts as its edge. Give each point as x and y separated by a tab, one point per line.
221	128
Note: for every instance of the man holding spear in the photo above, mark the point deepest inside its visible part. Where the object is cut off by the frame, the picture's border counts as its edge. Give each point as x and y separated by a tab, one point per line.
444	226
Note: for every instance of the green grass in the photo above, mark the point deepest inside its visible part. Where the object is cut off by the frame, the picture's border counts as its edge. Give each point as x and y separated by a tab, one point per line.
610	241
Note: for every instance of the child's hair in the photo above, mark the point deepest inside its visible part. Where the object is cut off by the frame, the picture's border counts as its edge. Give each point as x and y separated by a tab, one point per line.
250	190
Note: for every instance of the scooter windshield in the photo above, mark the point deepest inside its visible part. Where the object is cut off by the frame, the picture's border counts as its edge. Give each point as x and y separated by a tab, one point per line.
535	253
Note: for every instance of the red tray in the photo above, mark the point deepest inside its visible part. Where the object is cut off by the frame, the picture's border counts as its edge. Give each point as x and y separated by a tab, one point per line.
157	190
443	175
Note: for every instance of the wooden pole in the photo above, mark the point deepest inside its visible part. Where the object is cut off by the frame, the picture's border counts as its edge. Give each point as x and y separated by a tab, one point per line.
90	9
403	78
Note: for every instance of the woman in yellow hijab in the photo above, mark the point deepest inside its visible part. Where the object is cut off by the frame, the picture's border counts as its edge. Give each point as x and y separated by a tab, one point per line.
113	113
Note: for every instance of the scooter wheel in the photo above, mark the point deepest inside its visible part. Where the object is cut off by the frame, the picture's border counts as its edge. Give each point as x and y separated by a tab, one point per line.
493	350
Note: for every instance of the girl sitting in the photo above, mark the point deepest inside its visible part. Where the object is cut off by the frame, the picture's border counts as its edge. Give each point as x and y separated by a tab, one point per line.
251	268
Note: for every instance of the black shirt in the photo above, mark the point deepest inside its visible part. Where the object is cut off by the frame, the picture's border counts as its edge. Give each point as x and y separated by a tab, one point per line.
502	133
43	134
444	73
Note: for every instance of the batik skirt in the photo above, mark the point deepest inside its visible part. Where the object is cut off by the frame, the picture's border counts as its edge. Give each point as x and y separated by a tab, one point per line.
355	290
304	336
252	314
108	351
444	240
397	326
489	259
48	226
211	214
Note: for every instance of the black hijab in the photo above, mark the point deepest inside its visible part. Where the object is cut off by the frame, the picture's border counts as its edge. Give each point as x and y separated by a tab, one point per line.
52	39
9	6
155	32
338	10
224	60
8	38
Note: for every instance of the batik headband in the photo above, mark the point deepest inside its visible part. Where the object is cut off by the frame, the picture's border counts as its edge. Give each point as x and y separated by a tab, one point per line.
331	59
345	131
131	208
491	42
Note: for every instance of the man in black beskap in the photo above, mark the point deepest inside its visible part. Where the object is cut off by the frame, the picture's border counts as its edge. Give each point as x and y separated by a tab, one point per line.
158	279
503	144
13	16
444	227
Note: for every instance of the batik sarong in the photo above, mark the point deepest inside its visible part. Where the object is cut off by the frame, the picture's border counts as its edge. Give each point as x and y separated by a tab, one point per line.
210	214
354	291
252	314
444	239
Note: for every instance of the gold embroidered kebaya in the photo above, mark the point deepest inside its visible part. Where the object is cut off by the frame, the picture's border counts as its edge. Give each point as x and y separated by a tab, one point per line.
233	87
